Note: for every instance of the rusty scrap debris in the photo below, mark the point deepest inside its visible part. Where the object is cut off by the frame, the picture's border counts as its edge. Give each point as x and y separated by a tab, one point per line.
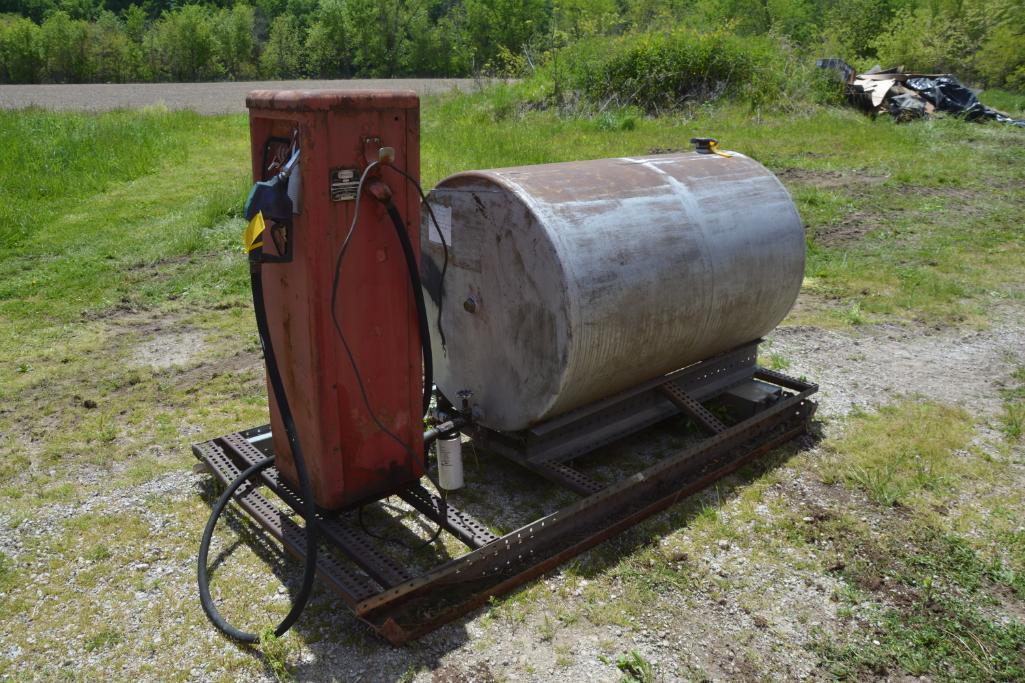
909	96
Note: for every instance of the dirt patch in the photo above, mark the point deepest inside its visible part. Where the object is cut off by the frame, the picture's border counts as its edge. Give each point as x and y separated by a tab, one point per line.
852	183
874	365
852	228
855	225
169	348
1009	603
478	673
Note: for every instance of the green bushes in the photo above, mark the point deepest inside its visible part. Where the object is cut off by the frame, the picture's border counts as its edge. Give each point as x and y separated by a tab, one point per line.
20	57
659	72
63	42
982	41
181	45
663	53
234	47
1001	59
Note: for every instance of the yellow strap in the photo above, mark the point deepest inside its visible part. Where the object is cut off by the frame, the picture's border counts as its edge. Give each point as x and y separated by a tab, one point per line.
253	232
714	146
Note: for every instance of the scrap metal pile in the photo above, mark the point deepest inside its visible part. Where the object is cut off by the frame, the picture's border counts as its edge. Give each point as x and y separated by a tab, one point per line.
909	96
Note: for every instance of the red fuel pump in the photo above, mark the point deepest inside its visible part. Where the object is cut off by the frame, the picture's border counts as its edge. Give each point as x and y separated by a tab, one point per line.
347	427
350	459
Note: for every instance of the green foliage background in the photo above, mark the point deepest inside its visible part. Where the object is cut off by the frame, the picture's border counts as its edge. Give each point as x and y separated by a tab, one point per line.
699	49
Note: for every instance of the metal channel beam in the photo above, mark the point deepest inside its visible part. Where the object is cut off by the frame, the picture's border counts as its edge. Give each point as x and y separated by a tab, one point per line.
353	542
571	478
350	586
460	524
692	408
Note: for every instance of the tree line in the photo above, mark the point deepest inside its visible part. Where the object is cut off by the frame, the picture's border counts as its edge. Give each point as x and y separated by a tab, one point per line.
160	40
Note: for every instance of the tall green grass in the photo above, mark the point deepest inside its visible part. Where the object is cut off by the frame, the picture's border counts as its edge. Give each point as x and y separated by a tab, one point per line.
48	159
88	202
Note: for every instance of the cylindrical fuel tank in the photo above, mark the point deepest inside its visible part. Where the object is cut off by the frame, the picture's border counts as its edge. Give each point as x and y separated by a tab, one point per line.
569	282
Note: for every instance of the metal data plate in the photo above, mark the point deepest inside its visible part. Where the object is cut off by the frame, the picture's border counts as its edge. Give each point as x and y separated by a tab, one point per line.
344	184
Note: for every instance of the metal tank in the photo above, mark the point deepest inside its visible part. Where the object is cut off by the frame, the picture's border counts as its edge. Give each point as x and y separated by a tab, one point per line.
569	282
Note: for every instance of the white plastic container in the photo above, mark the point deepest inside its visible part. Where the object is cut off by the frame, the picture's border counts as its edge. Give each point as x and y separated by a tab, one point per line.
450	462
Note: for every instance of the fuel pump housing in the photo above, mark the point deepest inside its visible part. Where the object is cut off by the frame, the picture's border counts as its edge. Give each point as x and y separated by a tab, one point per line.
349	458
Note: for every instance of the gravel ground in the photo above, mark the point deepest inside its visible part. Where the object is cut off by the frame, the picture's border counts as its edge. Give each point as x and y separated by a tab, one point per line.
205	98
866	368
744	614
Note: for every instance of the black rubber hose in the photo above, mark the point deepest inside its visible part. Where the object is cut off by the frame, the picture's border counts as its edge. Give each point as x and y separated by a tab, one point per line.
306	488
418	298
425	344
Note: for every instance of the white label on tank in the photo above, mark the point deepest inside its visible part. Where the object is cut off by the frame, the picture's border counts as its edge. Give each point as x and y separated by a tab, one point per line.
444	216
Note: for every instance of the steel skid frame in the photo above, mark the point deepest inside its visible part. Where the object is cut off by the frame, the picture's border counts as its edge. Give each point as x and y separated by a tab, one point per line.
402	604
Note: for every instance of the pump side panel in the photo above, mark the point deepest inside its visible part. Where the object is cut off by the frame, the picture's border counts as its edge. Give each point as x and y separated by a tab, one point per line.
349	458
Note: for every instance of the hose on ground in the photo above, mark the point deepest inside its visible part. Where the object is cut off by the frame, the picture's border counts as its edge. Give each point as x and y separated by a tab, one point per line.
309	510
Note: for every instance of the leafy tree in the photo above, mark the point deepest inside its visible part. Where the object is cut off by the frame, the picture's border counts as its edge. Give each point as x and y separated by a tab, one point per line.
36	10
374	27
20	57
283	53
436	42
113	56
924	40
851	26
136	22
181	46
999	29
654	14
62	42
327	45
585	18
233	41
1001	58
494	25
86	10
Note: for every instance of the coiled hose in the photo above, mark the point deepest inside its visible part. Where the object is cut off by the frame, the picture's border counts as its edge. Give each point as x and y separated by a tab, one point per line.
309	510
305	486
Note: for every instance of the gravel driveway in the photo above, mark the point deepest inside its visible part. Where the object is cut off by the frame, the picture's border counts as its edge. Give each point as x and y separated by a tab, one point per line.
206	98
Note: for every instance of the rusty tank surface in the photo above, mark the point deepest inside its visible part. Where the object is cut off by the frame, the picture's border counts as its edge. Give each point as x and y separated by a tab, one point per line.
567	283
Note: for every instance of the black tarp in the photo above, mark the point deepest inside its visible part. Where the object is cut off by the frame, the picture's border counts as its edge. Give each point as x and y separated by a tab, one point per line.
912	96
948	94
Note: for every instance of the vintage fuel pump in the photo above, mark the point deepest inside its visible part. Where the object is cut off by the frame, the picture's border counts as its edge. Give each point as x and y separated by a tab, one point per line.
597	298
353	338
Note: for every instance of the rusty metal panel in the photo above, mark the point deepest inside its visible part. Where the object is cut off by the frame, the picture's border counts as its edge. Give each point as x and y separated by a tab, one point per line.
349	458
582	279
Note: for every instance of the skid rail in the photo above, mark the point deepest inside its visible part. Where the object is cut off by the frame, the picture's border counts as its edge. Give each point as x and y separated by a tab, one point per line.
402	604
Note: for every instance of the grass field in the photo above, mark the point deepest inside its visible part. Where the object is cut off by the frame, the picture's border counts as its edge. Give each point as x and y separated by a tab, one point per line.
127	335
